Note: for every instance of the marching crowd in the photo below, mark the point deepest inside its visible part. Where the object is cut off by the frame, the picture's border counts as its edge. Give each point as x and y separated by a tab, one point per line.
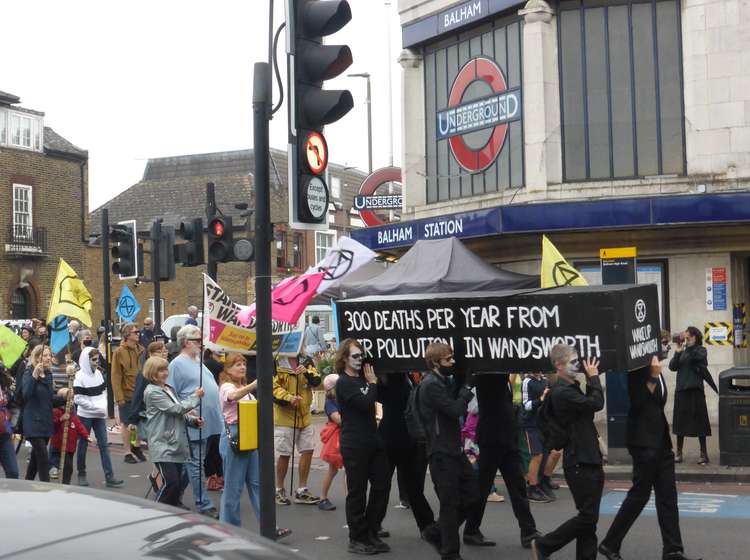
463	428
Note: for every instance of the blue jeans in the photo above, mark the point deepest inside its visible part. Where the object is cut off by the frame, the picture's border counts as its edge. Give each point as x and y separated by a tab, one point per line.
100	430
241	470
8	456
196	474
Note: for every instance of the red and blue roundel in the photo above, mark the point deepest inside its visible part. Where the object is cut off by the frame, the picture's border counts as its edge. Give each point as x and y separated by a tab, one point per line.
463	116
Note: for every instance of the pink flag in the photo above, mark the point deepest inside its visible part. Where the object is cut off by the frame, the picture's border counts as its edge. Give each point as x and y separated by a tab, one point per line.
288	299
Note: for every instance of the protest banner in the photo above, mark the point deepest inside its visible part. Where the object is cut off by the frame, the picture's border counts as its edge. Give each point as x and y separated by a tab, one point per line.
507	331
223	332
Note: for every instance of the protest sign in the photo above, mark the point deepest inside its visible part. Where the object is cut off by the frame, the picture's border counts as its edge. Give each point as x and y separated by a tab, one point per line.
507	331
223	332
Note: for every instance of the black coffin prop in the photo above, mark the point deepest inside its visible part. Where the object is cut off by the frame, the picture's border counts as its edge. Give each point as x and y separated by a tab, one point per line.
509	331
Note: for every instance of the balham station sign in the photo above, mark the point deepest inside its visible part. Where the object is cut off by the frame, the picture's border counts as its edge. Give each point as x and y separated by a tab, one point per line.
506	332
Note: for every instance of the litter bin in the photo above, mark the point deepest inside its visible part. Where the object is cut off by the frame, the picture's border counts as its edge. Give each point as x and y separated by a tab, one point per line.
734	416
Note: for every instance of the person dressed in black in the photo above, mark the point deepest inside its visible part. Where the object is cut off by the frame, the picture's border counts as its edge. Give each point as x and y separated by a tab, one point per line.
498	450
582	460
362	450
690	417
404	454
650	447
452	474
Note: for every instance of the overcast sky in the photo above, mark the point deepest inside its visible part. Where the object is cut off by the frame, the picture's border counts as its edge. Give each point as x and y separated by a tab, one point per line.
129	81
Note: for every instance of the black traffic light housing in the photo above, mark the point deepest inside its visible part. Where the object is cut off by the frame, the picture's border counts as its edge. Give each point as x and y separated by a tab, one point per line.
220	239
191	252
164	266
125	254
311	63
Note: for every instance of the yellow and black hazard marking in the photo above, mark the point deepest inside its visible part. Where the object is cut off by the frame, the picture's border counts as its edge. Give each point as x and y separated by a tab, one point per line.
718	334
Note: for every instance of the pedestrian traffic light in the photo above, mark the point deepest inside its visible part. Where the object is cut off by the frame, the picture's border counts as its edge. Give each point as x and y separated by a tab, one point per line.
311	63
125	252
163	266
220	239
190	253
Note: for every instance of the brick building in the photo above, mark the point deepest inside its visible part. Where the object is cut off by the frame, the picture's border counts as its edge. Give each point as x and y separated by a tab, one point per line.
44	194
174	188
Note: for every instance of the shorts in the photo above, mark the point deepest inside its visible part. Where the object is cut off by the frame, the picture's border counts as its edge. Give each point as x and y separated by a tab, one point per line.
124	412
534	441
282	440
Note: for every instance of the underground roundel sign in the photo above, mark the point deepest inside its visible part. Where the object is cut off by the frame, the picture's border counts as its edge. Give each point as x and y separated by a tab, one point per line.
480	106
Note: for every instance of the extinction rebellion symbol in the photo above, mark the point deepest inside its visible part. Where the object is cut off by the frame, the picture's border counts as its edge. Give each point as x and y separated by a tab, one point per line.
479	99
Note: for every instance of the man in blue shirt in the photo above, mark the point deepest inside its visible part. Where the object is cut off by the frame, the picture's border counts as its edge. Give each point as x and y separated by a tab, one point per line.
185	376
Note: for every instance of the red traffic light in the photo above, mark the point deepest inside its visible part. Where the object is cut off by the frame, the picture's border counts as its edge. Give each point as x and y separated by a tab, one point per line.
217	226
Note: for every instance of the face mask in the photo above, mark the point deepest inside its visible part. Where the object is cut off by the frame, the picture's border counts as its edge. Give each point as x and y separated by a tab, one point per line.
355	363
88	342
447	371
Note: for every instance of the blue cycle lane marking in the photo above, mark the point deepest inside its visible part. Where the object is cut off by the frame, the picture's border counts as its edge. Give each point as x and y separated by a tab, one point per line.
690	504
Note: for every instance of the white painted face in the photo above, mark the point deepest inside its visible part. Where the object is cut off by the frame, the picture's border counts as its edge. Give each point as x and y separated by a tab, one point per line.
354	360
573	366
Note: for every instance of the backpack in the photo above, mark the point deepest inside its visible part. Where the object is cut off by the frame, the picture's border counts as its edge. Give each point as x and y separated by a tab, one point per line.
413	417
554	434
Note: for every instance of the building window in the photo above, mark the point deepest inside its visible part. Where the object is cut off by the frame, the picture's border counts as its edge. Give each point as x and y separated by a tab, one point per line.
20	304
323	241
621	89
22	212
3	127
298	246
280	238
335	188
152	312
500	41
20	130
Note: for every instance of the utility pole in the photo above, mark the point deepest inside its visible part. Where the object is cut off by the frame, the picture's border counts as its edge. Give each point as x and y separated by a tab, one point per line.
263	236
107	308
212	266
156	272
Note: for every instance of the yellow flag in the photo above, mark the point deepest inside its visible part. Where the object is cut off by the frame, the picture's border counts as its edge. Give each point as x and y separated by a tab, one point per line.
556	271
69	296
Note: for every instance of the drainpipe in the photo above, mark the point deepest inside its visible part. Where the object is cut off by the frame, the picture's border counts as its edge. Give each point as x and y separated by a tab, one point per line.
84	238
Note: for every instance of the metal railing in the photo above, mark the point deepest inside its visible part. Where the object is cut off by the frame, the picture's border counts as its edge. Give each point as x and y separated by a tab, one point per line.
26	240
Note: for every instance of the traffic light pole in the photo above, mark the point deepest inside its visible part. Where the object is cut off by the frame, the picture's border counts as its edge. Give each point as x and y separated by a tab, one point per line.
107	308
212	265
263	229
156	272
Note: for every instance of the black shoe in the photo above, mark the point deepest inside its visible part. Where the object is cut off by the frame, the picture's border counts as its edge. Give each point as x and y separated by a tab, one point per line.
130	458
432	535
356	547
535	494
536	552
477	539
383	534
678	556
526	539
210	512
138	452
379	545
549	484
608	553
114	483
281	533
703	459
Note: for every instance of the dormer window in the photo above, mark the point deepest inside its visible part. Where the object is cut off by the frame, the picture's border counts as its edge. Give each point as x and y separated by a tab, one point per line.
21	130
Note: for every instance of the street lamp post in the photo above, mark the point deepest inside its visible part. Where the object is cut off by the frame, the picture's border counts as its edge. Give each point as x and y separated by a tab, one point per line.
369	117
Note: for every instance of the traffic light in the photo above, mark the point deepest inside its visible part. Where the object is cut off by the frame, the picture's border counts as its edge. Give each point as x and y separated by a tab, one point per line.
163	268
220	239
190	253
311	63
125	252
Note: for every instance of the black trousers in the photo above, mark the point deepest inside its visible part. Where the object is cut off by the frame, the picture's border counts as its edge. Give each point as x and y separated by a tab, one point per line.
171	488
506	459
39	459
67	466
362	515
586	483
411	463
457	489
652	468
212	463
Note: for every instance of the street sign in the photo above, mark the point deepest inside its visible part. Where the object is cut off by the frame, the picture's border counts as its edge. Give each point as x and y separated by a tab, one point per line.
316	152
315	200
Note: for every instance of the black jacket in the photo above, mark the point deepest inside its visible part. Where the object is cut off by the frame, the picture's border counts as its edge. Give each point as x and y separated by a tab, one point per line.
691	367
441	413
532	390
575	412
647	424
497	424
393	394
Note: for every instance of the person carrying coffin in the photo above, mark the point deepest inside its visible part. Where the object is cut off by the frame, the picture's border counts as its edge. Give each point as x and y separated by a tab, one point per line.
650	447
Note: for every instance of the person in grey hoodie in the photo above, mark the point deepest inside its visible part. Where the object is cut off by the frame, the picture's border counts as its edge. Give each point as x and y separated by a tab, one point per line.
90	390
167	419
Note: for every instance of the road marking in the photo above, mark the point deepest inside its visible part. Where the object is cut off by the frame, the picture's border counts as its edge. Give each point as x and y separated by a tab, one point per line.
322	538
690	504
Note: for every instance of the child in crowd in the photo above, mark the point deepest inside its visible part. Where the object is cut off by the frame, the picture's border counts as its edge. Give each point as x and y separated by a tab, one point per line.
75	429
330	437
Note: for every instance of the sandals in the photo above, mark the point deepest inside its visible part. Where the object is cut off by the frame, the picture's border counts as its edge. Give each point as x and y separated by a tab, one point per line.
282	532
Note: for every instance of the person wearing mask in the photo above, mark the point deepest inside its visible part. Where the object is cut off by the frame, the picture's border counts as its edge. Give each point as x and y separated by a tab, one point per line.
167	421
650	447
452	474
690	418
7	452
212	360
582	460
498	450
293	429
404	454
147	332
37	394
85	340
362	450
185	376
90	390
125	365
